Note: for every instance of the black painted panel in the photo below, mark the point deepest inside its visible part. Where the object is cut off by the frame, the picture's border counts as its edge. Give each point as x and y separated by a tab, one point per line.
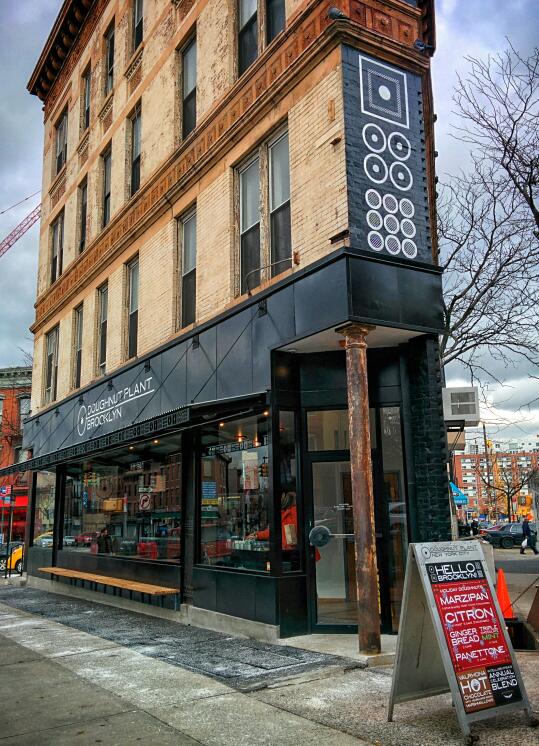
396	294
204	589
174	377
320	300
234	355
293	605
201	361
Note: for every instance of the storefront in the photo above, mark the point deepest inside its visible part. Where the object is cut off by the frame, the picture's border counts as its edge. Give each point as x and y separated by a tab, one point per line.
205	465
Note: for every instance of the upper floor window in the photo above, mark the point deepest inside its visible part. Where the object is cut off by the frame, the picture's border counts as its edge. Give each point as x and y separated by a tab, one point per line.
136	123
107	185
57	247
109	59
51	364
275	18
24	407
279	206
102	316
138	23
83	214
86	95
189	87
132	306
188	238
264	193
250	225
77	345
61	141
247	34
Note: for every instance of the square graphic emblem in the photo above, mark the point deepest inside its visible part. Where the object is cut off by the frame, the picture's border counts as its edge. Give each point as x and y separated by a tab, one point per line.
384	93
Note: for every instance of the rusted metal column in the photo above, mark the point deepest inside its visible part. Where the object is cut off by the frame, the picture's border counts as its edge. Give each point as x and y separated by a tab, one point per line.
368	613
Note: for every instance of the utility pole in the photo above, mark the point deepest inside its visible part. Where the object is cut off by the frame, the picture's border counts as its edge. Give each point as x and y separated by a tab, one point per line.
489	489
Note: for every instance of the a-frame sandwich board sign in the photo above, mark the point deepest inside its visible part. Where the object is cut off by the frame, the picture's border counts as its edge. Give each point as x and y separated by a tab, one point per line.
452	636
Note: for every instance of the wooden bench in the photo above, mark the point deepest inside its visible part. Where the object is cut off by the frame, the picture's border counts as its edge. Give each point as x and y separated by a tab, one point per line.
133	586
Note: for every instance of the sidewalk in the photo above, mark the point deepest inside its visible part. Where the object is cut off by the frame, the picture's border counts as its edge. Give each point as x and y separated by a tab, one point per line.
76	672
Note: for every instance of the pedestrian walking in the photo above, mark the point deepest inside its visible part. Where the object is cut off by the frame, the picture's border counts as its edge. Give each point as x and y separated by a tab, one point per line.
475	527
530	537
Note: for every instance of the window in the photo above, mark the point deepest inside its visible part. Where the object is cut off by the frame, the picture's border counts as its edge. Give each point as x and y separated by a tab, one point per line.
109	60
83	214
275	18
136	124
77	346
44	509
61	141
103	514
189	259
235	492
261	257
248	34
138	21
280	238
189	87
102	303
57	249
132	307
250	226
107	174
86	94
51	365
24	407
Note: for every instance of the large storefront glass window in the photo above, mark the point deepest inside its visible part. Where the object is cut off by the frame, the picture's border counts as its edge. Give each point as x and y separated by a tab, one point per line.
127	502
395	498
290	527
44	509
234	527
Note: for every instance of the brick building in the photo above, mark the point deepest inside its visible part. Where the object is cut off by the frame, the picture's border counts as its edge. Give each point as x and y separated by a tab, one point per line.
238	199
505	471
15	389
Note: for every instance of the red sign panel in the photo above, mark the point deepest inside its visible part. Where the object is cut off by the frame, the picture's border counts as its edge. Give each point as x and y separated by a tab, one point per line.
474	634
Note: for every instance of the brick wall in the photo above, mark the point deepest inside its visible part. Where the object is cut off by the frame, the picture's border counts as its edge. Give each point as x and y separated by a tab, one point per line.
429	449
319	205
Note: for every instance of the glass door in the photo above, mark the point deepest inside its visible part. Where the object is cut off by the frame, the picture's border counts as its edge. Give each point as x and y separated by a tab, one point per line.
335	562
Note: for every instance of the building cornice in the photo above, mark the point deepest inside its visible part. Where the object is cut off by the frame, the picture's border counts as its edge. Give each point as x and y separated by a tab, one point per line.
388	34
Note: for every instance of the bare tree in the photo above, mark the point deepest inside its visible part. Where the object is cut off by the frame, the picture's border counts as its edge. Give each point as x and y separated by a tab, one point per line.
489	218
498	105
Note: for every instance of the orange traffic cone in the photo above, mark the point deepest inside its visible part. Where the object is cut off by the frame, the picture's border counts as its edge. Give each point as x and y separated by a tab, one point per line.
503	596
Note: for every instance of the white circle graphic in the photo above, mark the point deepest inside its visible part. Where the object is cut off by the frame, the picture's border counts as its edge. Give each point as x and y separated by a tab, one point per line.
401	176
391	224
391	203
375	168
407	207
393	245
375	241
384	92
409	249
408	228
374	138
373	198
374	220
399	146
81	420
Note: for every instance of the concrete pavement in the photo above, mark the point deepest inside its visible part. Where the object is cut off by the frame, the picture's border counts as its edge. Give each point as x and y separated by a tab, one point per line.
74	672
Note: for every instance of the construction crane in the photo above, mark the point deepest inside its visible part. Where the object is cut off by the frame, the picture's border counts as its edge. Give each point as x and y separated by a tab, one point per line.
20	230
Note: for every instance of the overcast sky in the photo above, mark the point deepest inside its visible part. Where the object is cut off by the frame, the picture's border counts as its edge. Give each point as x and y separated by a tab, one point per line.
464	27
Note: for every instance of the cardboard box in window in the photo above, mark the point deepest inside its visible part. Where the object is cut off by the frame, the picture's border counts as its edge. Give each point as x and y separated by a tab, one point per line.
112	505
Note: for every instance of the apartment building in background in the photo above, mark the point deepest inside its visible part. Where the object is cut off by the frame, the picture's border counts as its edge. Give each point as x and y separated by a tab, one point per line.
487	479
238	196
15	391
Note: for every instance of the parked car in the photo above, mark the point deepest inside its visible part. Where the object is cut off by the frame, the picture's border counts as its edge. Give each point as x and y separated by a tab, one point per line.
15	558
70	541
507	535
86	538
44	540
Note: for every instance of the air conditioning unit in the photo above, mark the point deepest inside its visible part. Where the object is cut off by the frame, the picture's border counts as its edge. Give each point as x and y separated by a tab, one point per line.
461	404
